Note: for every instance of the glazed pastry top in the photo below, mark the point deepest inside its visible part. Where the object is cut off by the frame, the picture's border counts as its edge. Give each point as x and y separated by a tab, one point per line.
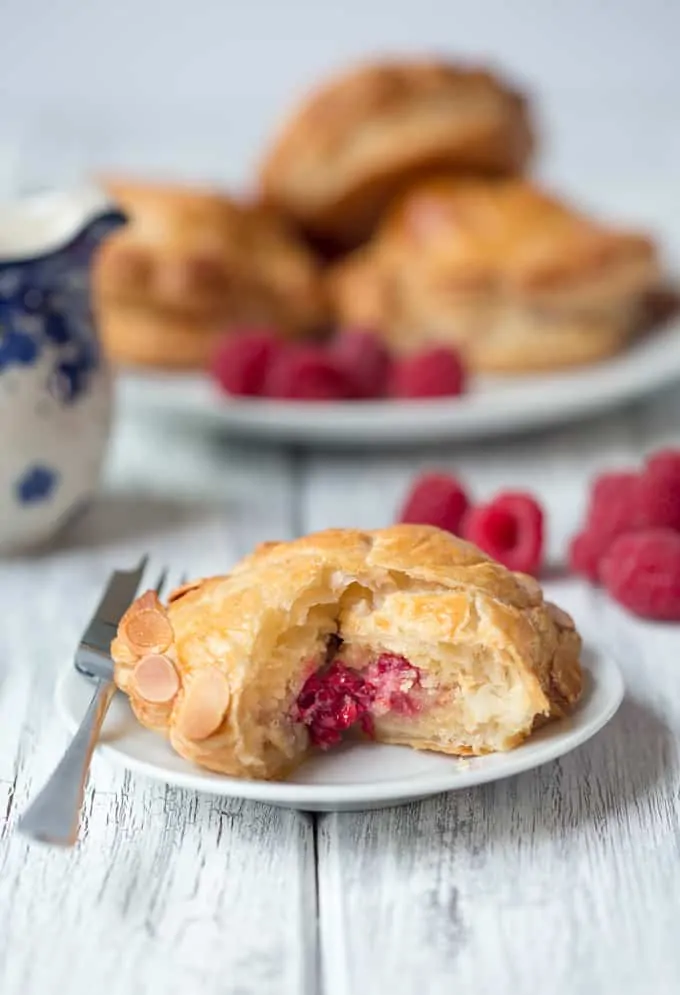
358	138
199	252
508	236
420	586
329	121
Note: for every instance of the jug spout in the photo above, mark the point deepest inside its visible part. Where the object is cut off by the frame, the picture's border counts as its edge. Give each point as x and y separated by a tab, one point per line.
57	222
99	218
46	315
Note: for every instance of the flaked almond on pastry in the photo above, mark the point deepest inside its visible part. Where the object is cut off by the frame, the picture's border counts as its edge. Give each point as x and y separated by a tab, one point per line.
506	272
406	635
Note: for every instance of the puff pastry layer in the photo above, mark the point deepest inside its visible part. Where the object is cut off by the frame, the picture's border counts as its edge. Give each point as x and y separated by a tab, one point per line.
357	139
407	633
511	275
192	263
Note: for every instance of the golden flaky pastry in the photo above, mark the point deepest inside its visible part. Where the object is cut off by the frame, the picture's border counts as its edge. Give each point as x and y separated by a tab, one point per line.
407	633
511	275
189	265
346	151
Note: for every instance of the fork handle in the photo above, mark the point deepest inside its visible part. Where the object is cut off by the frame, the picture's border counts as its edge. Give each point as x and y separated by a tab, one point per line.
54	815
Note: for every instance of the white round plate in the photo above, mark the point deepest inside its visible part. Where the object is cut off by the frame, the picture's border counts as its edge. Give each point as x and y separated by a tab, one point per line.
494	405
354	776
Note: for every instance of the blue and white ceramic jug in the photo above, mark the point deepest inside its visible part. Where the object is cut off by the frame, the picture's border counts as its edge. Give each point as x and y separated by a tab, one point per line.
55	392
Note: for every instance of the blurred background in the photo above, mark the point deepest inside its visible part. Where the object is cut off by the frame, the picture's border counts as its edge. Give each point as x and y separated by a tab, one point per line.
192	89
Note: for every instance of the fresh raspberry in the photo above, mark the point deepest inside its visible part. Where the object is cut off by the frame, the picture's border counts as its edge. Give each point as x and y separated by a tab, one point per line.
614	508
642	572
585	552
365	360
623	503
242	360
510	529
306	373
660	491
436	499
434	372
615	498
663	458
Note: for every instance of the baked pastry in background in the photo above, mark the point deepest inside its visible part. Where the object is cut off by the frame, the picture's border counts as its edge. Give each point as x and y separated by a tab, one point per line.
190	264
509	274
408	634
352	145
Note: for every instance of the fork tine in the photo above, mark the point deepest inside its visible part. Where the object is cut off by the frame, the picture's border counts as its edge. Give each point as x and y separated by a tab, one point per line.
160	583
53	816
121	588
142	565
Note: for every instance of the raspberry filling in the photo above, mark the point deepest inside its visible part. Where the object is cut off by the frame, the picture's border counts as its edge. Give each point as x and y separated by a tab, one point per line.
336	698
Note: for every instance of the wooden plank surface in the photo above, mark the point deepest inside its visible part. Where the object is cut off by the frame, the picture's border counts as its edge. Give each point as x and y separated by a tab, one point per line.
566	876
167	891
569	873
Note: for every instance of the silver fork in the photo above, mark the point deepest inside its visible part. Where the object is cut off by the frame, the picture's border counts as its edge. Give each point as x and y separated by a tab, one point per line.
54	815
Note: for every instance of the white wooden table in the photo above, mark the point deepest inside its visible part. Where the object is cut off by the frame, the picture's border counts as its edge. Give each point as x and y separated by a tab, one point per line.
565	879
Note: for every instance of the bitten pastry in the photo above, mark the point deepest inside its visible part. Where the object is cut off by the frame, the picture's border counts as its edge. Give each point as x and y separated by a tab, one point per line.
352	145
407	634
507	273
192	263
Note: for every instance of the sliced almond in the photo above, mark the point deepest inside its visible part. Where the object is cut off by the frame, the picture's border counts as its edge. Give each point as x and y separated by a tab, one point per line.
121	654
145	627
559	616
205	704
266	547
531	587
155	678
179	592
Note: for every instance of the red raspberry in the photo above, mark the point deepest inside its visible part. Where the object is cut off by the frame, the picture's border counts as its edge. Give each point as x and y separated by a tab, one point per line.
436	499
510	529
332	702
585	552
434	372
642	572
306	373
615	496
660	491
365	360
664	458
242	361
615	508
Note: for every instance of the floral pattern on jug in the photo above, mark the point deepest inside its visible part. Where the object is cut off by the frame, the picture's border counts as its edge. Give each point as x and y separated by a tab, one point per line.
55	390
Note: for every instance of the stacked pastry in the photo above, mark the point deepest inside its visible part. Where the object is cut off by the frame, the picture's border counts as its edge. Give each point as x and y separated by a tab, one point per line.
363	136
413	170
190	264
503	271
422	163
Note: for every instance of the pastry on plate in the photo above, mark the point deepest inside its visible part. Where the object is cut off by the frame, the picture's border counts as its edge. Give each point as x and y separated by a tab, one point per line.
406	635
511	275
353	143
191	263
